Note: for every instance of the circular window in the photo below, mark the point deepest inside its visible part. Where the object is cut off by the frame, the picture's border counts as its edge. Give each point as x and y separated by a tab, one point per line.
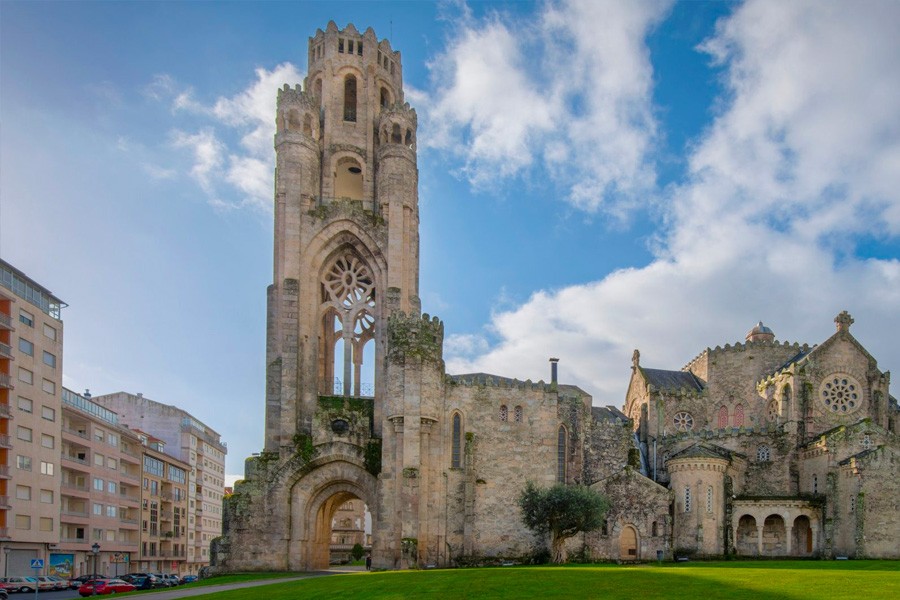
340	426
841	393
683	421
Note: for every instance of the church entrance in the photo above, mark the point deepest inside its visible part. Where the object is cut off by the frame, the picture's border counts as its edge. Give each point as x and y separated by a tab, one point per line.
628	544
333	508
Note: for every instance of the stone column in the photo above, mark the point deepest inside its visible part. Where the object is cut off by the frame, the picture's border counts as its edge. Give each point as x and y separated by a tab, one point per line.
759	539
790	536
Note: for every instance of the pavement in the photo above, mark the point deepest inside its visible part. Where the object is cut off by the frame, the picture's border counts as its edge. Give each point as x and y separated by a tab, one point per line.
174	593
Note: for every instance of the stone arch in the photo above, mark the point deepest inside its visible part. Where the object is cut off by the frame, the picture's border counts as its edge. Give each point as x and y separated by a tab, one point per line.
802	543
745	538
774	535
315	497
349	176
350	97
629	546
294	122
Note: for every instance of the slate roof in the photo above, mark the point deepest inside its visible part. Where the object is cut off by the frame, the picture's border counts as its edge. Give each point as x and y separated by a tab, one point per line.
482	379
672	380
847	460
796	358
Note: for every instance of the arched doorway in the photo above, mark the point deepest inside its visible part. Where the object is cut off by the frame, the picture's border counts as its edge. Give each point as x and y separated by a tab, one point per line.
316	500
628	544
774	536
351	525
745	536
802	540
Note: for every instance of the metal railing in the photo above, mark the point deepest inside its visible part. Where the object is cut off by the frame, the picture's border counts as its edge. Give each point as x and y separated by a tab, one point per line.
6	320
5	350
366	390
5	411
5	442
81	434
6	381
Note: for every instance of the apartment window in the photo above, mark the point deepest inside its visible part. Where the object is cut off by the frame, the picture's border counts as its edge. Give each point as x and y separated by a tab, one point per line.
47	496
98	484
48	414
26	347
23	492
112	439
23	462
99	434
26	318
46	468
48	441
111	463
23	433
49	332
26	376
111	487
25	405
48	386
98	509
45	524
111	511
49	359
99	459
23	522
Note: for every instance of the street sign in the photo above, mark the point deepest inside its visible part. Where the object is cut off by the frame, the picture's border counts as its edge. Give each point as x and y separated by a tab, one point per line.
37	563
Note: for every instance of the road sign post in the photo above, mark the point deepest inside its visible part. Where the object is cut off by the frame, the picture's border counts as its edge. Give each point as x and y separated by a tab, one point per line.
37	564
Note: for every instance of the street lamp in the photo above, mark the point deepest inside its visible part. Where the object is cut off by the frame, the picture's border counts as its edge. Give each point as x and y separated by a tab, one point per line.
95	550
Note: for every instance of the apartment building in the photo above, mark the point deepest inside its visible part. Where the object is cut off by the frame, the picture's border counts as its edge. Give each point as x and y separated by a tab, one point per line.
31	344
198	445
100	490
164	509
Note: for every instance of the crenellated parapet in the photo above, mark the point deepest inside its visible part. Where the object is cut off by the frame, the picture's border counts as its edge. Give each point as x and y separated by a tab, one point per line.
397	126
739	347
414	336
725	432
297	112
483	380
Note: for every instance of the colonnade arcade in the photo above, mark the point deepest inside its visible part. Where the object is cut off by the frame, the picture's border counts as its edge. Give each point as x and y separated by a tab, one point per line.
775	527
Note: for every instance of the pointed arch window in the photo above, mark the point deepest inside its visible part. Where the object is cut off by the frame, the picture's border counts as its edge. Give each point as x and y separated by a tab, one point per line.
739	415
517	414
350	98
504	413
456	442
561	451
723	417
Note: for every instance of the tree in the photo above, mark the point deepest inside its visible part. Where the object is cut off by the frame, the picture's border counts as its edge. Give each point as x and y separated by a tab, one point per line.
357	551
562	511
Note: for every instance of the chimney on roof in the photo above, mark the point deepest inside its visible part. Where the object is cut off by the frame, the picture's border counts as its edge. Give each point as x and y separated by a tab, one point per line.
553	370
87	393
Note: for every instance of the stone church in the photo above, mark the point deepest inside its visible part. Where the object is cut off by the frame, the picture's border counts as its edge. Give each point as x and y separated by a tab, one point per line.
760	448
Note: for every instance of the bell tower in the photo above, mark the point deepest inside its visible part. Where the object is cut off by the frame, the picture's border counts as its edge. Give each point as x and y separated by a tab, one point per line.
346	230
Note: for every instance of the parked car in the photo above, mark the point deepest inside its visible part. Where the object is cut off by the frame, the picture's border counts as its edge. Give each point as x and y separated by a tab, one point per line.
105	586
61	584
142	581
163	579
20	584
173	579
4	595
189	579
76	582
45	584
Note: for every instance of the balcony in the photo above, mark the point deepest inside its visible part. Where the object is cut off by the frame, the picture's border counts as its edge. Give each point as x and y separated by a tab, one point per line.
4	472
5	412
75	432
6	351
5	442
4	503
6	322
131	476
73	516
6	381
75	459
4	533
69	489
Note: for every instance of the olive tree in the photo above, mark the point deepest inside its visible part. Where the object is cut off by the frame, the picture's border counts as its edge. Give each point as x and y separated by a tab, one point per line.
562	511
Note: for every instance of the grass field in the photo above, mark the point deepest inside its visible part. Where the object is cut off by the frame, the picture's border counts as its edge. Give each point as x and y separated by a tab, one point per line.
783	580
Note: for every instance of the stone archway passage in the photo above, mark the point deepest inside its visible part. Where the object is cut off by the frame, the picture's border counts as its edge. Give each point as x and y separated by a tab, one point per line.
628	544
774	536
745	540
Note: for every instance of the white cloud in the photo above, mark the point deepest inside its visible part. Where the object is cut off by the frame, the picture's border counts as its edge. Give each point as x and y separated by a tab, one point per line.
509	91
801	160
233	175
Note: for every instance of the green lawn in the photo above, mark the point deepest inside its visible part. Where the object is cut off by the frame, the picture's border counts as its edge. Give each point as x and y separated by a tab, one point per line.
783	580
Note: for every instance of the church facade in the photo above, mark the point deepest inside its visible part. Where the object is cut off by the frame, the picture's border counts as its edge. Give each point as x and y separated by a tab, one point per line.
761	448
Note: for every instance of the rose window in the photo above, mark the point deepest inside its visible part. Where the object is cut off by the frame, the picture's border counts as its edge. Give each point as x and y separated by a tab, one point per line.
683	421
841	394
349	281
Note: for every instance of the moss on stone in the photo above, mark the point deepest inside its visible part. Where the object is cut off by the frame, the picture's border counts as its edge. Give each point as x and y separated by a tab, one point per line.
372	457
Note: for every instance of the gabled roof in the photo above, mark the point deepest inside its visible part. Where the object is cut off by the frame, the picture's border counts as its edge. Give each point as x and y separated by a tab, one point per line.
663	379
857	456
795	359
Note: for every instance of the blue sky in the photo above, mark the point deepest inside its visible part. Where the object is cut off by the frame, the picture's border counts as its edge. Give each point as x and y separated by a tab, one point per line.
594	177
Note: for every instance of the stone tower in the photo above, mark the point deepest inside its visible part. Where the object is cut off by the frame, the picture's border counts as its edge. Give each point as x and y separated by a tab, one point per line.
346	258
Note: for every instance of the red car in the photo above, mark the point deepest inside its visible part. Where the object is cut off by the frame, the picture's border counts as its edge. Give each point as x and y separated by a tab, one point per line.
105	586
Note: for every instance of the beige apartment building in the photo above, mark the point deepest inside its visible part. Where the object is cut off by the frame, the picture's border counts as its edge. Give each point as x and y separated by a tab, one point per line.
100	490
197	445
164	509
31	341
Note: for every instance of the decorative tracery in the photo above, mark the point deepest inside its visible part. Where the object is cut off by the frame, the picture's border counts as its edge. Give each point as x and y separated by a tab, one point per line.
683	421
841	393
348	296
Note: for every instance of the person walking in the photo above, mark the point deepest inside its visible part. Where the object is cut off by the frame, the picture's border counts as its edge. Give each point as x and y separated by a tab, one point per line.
368	562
